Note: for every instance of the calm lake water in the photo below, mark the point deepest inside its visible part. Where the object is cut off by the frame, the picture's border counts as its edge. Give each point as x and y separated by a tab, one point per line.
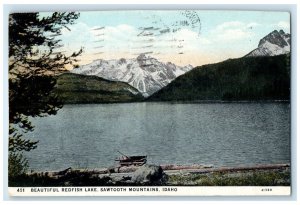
219	134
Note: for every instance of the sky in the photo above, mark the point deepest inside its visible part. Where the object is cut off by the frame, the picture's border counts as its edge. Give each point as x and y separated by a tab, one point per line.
182	37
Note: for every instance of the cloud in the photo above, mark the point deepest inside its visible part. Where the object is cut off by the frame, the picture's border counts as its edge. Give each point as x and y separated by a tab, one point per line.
252	25
120	32
182	41
283	25
79	36
228	25
110	39
78	32
127	38
232	34
114	42
233	30
115	38
192	37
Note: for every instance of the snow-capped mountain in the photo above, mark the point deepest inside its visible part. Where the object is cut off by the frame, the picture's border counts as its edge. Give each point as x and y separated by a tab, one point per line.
145	73
275	43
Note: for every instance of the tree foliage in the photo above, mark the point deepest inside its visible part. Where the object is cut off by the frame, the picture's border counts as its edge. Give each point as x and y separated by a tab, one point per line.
35	56
250	79
17	164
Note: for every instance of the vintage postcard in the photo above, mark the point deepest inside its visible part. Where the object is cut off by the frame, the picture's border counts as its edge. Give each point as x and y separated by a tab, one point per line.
149	103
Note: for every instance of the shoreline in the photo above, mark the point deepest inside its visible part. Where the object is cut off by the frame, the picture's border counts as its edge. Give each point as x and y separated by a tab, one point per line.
186	102
164	175
167	168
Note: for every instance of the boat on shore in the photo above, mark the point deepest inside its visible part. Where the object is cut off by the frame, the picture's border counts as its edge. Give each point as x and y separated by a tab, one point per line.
125	160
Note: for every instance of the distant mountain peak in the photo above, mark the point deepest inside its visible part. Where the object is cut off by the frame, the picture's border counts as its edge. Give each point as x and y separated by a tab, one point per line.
275	37
142	56
275	43
145	73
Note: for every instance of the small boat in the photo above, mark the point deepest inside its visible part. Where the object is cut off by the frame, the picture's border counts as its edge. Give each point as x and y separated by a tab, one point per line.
131	160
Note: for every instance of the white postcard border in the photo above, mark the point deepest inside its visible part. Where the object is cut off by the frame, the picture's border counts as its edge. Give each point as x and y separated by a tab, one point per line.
152	191
240	191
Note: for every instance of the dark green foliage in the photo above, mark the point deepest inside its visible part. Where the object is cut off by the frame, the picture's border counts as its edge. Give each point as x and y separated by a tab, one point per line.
252	78
17	143
33	97
74	88
17	165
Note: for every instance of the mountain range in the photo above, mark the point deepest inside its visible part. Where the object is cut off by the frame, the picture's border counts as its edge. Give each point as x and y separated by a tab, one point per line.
144	73
262	74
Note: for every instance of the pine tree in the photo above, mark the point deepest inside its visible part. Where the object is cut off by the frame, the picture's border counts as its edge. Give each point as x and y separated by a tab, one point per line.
35	57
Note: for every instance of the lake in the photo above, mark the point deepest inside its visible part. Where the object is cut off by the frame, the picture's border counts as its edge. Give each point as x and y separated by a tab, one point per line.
219	134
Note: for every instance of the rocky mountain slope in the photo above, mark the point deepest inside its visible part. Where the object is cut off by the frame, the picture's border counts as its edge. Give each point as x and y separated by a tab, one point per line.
275	43
145	73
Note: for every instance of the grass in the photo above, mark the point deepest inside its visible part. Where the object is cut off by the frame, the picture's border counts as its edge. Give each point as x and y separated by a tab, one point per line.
250	178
